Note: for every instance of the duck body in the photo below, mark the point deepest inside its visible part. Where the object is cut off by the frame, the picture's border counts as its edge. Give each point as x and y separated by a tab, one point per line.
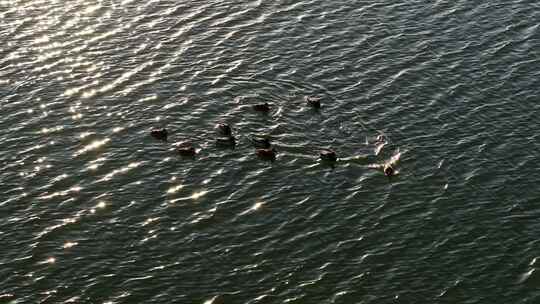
267	154
229	141
186	151
224	129
328	155
160	134
262	107
313	102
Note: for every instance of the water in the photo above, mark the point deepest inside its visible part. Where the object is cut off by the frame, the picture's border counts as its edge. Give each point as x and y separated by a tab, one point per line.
94	210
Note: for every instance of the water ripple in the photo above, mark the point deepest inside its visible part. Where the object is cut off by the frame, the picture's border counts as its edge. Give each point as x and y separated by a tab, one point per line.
96	210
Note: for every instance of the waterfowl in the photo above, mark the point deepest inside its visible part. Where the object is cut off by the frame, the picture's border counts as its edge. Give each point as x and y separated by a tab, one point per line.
389	170
328	155
224	129
314	102
186	151
262	107
229	141
260	142
380	139
268	154
160	134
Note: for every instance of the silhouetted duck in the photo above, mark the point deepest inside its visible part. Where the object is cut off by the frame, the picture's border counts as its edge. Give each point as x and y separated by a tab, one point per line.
262	107
229	141
160	134
186	151
260	141
314	102
328	155
268	154
389	170
224	129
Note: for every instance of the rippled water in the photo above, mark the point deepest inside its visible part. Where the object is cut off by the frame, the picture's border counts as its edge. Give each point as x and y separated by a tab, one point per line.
94	210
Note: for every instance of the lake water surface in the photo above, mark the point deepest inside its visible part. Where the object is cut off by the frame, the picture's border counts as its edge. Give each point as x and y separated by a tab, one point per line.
94	210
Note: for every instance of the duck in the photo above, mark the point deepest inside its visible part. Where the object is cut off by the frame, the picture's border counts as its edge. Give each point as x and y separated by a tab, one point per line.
262	107
260	141
160	134
328	155
380	139
314	102
224	129
389	170
186	151
229	141
268	154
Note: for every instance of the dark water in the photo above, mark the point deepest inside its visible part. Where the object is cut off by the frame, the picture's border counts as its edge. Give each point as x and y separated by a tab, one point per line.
94	210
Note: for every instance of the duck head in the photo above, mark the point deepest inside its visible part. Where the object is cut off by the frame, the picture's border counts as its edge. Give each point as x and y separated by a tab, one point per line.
160	134
328	155
224	129
260	142
313	102
389	170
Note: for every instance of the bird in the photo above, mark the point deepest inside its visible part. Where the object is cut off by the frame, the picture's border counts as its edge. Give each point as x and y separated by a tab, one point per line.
224	129
314	102
389	170
380	139
262	107
186	151
229	141
160	134
328	155
267	154
260	141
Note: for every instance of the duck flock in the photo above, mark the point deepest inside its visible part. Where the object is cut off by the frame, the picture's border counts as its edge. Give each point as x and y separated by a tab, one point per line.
264	148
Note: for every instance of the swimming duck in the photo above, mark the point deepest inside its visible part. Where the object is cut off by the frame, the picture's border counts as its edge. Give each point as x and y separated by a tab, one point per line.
268	154
314	102
224	129
328	155
260	141
380	139
262	107
186	151
229	141
160	134
389	170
